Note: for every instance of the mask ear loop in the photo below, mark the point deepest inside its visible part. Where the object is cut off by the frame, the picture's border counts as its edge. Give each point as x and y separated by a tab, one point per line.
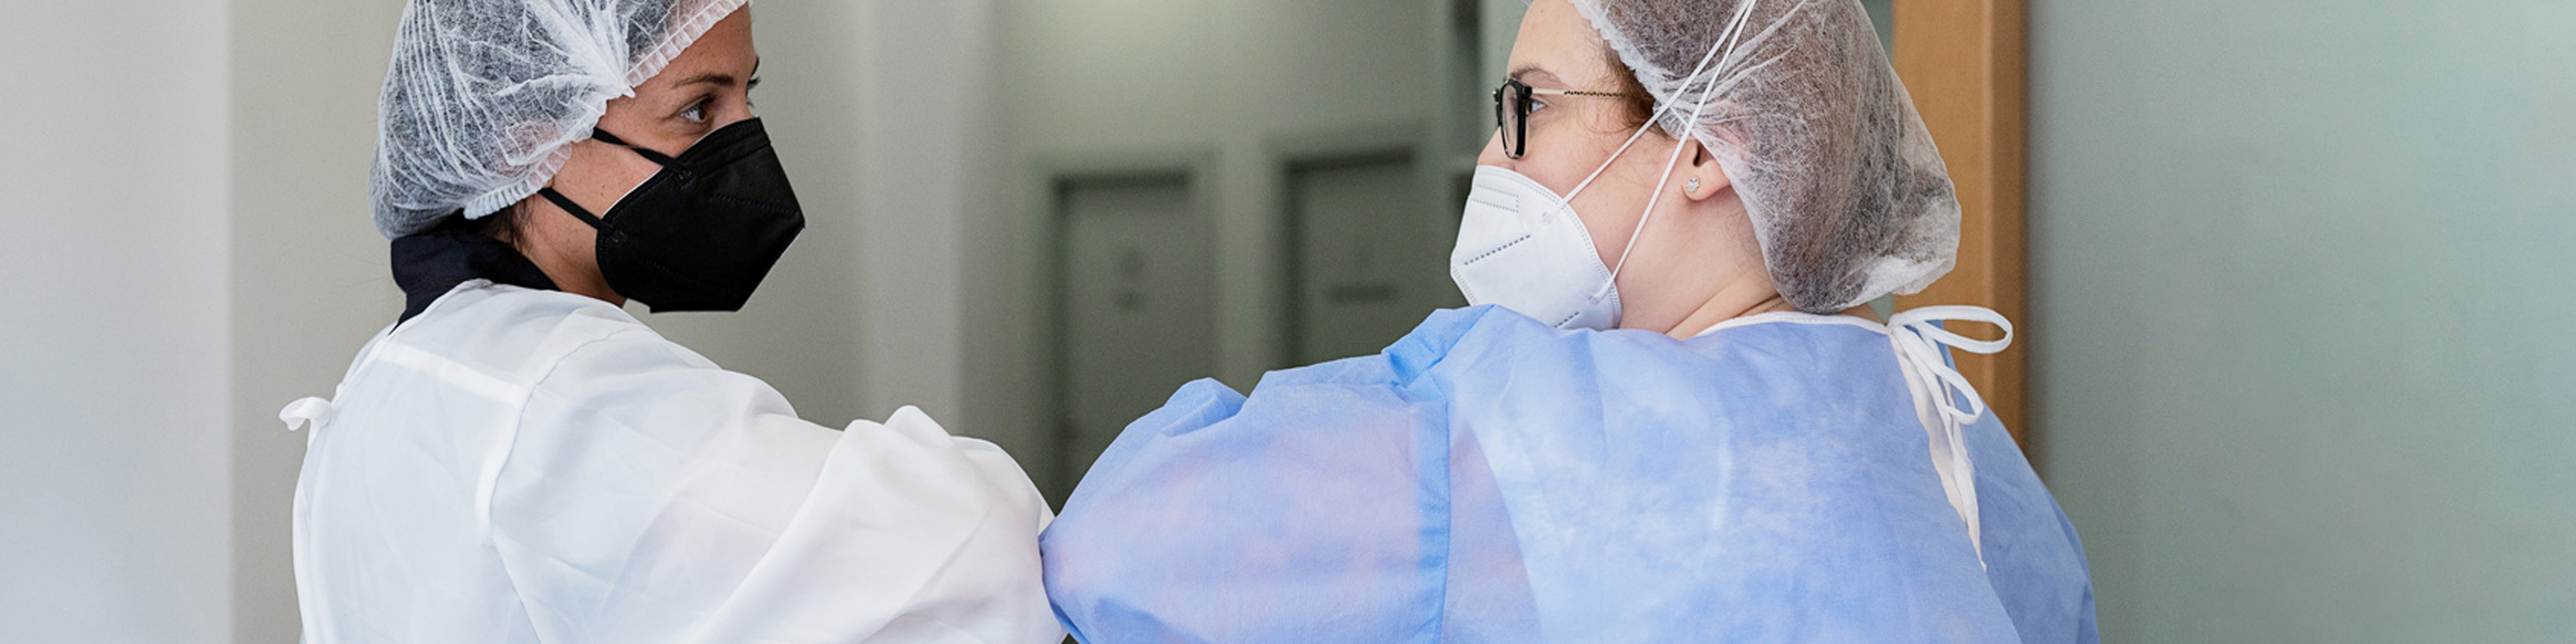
569	207
1725	42
603	136
1733	29
649	154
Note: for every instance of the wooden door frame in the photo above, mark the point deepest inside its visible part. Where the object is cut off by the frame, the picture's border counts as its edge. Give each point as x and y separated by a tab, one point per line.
1963	61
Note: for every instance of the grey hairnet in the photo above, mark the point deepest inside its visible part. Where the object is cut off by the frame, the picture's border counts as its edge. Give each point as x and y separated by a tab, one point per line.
1847	194
483	95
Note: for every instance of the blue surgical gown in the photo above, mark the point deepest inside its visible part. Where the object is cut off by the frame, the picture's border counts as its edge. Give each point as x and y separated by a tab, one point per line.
1490	479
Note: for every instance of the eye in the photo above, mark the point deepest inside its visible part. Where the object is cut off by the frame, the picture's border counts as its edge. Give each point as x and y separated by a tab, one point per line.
696	113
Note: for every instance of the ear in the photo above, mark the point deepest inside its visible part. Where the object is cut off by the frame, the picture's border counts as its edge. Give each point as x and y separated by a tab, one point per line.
1704	167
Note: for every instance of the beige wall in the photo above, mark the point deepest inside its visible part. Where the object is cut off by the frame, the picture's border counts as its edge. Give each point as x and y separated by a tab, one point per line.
113	479
308	269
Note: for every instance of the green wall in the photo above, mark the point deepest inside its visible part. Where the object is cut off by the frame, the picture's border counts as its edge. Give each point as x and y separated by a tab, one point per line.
2301	276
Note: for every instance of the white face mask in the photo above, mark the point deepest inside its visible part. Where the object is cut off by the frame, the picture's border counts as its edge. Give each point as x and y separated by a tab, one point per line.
1522	247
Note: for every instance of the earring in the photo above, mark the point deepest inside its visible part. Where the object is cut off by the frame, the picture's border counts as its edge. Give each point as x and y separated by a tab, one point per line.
1692	186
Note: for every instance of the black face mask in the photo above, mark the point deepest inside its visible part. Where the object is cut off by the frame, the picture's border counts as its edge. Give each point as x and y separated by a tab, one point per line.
703	232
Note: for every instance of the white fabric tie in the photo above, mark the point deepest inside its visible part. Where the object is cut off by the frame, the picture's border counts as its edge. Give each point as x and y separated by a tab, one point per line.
309	410
1939	391
314	411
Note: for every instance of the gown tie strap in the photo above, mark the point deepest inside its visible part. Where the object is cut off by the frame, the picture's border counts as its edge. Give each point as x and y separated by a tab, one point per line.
1943	399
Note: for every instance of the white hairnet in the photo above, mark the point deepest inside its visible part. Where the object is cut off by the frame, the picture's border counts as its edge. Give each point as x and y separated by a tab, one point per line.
1848	196
483	95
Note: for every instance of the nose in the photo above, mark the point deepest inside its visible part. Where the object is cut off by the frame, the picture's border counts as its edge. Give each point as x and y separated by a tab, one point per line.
1494	155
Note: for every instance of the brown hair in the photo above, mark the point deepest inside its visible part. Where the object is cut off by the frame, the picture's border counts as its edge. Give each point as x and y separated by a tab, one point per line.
1632	94
503	225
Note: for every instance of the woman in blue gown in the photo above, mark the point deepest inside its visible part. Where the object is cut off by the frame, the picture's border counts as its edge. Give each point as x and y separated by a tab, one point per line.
1670	418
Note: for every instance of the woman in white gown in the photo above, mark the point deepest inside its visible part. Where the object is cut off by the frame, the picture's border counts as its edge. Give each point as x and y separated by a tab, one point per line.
519	460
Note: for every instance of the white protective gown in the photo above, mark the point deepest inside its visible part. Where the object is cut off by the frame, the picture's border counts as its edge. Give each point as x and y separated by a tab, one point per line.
518	465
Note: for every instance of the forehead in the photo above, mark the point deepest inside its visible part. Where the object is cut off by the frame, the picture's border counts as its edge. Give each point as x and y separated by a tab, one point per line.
1557	46
725	48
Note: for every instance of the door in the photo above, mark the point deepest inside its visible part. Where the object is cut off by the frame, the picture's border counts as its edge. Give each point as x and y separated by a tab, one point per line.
1135	291
1368	255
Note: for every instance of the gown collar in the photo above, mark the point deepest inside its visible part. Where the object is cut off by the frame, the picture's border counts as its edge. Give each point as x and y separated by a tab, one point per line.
430	263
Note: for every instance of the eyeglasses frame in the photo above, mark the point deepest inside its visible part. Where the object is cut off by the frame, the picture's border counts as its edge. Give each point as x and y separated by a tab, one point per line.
1515	125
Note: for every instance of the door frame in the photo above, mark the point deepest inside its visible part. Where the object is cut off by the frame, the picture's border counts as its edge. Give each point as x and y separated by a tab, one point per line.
1965	64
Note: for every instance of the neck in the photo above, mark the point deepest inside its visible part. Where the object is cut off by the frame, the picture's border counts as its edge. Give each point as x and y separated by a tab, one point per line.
1725	307
568	275
562	246
1742	301
575	282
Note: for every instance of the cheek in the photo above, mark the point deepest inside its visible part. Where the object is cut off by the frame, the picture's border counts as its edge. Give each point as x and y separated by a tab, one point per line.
598	174
1560	172
1609	207
628	170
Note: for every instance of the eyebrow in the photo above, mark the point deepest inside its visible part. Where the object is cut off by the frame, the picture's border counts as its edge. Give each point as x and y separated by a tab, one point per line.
1526	73
711	78
721	78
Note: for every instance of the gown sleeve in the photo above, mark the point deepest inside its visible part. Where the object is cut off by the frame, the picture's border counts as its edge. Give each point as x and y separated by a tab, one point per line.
1205	523
649	496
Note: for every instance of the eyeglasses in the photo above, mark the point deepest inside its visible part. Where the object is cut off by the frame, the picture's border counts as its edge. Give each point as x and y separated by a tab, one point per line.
1512	110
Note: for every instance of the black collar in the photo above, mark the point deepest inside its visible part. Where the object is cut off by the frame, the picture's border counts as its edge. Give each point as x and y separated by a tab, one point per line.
430	263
